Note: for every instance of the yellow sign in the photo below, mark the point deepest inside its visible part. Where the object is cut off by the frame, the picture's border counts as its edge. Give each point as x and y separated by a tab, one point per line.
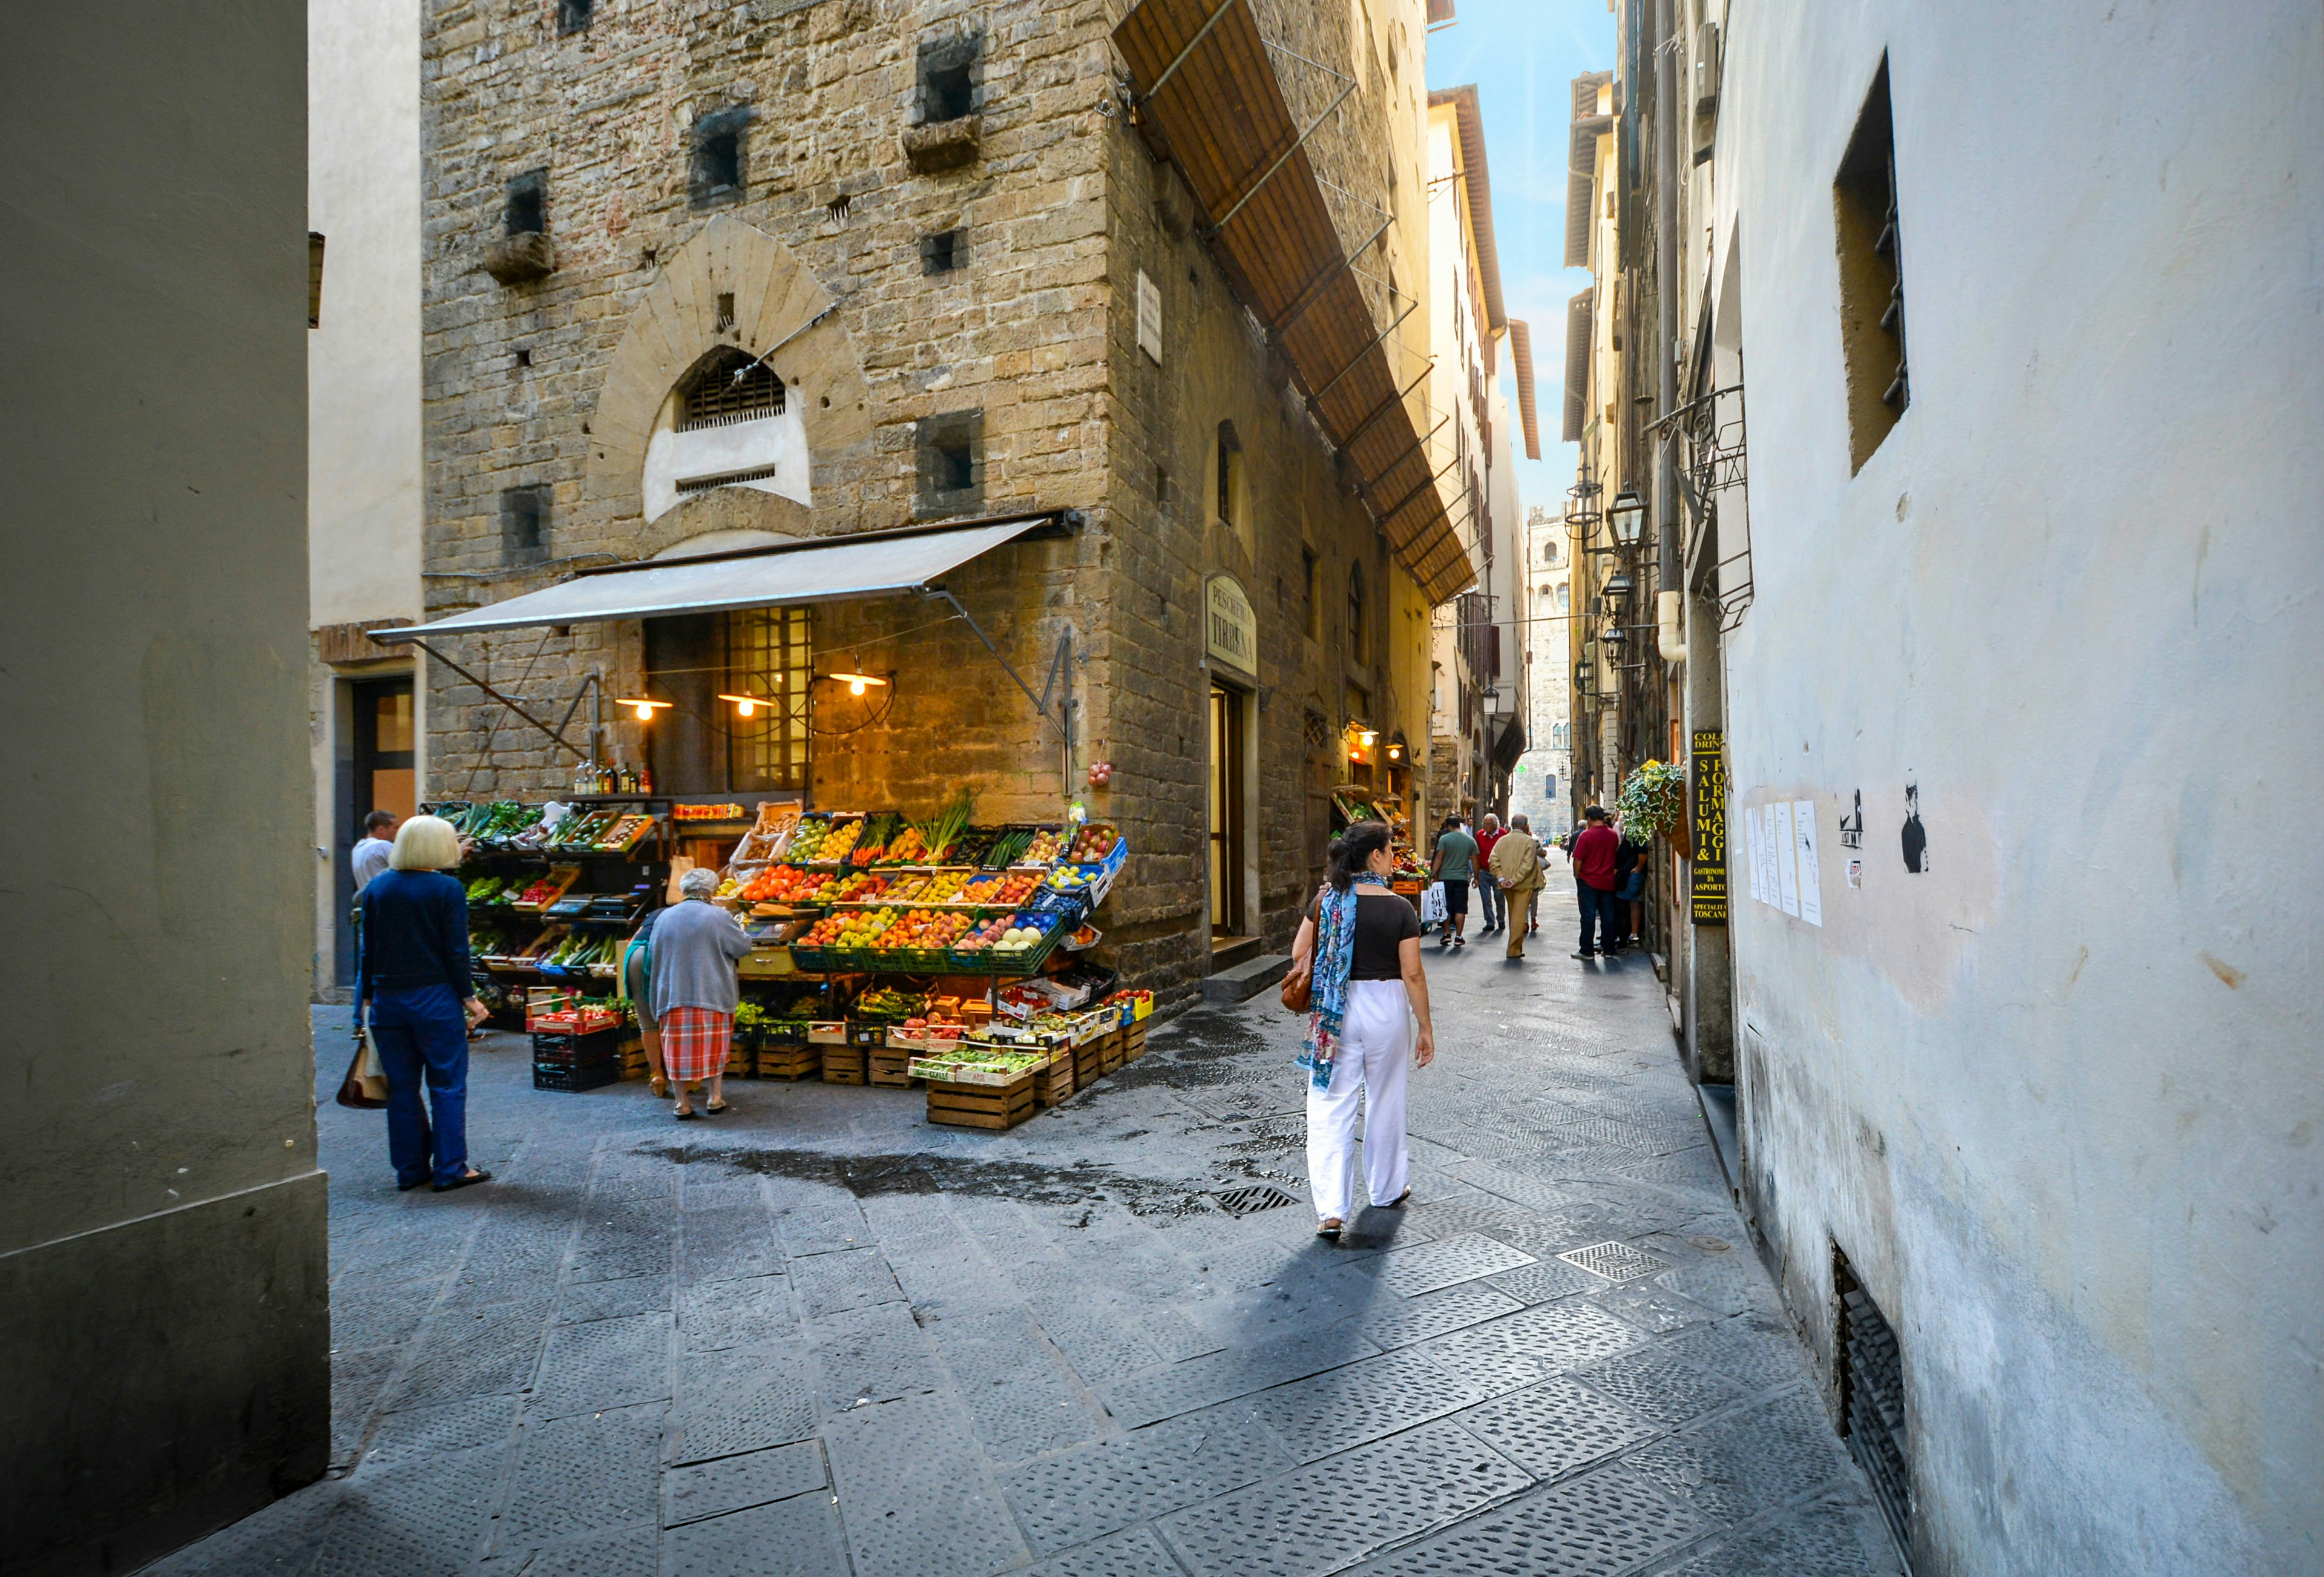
1233	628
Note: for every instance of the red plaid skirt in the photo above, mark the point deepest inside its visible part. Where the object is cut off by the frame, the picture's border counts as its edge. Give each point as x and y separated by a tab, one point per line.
694	1042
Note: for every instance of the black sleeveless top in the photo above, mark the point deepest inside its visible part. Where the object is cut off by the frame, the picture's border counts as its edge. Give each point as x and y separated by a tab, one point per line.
1383	921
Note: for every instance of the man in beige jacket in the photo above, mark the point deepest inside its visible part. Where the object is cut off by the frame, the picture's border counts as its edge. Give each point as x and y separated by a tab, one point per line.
1516	865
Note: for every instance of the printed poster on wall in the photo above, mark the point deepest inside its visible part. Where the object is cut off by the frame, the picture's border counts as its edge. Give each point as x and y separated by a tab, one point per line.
1803	843
1788	869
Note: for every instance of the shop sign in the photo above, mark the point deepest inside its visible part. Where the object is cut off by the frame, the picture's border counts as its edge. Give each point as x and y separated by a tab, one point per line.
1233	628
1707	812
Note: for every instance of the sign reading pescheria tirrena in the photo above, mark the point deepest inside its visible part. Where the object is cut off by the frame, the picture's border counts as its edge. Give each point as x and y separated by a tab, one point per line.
1233	628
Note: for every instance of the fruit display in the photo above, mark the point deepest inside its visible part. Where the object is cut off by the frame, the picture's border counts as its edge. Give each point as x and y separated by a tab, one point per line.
1068	877
999	889
625	834
904	848
546	890
1008	936
855	928
926	929
1045	849
944	886
850	887
874	840
907	889
825	839
976	1064
781	884
1091	844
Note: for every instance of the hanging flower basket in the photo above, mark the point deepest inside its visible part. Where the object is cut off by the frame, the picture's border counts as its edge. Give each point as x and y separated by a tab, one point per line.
1653	800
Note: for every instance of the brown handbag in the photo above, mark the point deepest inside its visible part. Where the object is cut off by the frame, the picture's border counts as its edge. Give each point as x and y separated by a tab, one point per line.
1299	984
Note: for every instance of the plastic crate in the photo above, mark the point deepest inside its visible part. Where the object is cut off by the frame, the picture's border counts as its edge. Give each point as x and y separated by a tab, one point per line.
566	1050
574	1077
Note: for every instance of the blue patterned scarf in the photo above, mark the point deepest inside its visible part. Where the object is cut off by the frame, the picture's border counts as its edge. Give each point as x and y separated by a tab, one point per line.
1335	957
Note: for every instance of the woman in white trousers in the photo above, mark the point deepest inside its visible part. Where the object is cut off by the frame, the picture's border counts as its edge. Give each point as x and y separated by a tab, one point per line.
1360	948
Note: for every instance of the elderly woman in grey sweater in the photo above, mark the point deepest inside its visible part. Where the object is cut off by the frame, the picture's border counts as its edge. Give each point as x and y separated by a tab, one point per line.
695	991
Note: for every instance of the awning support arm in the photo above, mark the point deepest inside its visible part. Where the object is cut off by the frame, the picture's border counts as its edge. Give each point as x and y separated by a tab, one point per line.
938	593
1193	43
555	734
1313	292
1415	493
1418	443
1398	398
1298	142
1357	360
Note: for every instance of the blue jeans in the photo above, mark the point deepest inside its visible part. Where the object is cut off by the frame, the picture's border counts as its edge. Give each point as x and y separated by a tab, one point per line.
423	1033
1488	899
1598	914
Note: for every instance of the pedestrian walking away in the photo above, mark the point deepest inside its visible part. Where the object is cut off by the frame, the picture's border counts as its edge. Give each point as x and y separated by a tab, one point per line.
1360	945
1516	865
412	983
1453	863
1594	847
1630	888
635	985
1489	888
696	991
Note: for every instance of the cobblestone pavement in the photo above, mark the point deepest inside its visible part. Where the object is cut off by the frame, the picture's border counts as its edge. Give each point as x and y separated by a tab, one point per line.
824	1337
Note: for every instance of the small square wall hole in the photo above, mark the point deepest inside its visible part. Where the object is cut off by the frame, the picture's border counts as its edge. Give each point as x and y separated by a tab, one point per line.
951	464
573	15
725	311
526	210
948	79
524	525
523	357
719	167
944	251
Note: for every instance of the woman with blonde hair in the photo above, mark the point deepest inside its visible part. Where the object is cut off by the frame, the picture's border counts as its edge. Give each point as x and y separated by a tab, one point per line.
413	982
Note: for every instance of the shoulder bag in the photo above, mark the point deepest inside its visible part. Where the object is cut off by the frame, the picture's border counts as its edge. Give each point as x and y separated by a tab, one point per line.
365	1086
1299	984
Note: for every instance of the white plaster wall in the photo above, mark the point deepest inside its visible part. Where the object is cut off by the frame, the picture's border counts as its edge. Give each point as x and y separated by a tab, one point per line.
2059	1097
363	365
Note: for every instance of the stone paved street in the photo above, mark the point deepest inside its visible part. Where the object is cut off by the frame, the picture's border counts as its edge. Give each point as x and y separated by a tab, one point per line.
824	1337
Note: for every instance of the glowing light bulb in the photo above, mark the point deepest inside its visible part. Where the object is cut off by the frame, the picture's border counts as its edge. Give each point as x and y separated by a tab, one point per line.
856	687
747	708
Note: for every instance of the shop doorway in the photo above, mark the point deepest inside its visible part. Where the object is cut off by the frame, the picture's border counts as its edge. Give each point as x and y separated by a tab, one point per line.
1230	814
382	775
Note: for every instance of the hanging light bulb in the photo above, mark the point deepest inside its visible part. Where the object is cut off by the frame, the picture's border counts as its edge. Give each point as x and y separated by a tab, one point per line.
644	708
856	683
744	705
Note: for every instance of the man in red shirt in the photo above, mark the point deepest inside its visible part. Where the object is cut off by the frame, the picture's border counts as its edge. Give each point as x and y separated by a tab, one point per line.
1594	848
1488	890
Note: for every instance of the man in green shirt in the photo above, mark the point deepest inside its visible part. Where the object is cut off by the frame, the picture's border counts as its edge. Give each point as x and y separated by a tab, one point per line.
1455	862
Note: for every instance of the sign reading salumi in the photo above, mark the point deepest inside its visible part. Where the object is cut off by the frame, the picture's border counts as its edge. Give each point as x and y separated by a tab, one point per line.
1707	812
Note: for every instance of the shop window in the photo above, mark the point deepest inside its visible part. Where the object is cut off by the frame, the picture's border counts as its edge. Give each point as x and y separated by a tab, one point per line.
526	211
945	252
702	744
1871	276
951	453
726	386
949	79
720	158
524	525
573	15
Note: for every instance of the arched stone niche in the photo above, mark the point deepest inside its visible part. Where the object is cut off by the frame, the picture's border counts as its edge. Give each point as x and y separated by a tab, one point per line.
736	288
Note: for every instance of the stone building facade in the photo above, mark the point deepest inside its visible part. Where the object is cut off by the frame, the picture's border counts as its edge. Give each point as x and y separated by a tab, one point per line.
931	223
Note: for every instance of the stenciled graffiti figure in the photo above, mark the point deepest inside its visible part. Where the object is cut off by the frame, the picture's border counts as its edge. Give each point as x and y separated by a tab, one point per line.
1851	825
1916	836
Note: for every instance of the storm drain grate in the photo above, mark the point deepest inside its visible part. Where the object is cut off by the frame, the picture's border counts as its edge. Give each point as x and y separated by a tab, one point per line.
1251	1201
1872	1401
1615	1262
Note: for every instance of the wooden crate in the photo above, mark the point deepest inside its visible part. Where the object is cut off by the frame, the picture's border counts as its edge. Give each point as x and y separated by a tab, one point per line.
791	1059
1133	1041
1086	1068
845	1065
1054	1085
1108	1047
982	1105
888	1065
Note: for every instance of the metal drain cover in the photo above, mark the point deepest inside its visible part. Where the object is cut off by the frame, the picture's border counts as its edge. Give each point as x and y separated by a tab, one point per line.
1251	1201
1615	1262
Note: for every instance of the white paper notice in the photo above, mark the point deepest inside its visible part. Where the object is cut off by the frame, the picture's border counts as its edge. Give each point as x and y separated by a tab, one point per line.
1787	872
1763	867
1803	835
1751	849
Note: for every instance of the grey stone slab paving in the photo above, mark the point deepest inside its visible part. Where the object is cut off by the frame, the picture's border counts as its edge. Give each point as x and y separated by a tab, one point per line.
1324	1517
737	1483
888	1348
1071	1498
798	1538
915	1493
1182	1387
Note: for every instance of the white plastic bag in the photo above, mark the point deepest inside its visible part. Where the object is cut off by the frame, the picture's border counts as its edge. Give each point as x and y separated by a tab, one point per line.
1432	904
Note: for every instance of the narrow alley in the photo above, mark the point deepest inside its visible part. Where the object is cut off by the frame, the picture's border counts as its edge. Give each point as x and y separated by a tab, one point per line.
828	1338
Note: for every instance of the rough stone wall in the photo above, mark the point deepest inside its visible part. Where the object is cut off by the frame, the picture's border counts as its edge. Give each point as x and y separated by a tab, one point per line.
830	86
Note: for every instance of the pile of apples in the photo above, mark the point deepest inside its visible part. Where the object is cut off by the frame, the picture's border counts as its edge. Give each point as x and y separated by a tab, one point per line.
923	929
858	928
1012	888
1094	842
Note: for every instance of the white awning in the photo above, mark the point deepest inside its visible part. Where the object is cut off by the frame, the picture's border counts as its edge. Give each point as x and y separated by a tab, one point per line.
818	570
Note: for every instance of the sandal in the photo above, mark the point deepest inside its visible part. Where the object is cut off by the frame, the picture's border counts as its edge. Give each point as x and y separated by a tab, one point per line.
688	1115
475	1174
1400	1202
716	1107
1330	1230
660	1087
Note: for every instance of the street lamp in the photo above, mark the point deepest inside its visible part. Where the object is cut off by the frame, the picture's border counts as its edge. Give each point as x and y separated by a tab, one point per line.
1618	584
1628	515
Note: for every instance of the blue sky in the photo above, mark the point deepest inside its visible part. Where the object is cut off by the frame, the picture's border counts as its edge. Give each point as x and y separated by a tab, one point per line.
1523	55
